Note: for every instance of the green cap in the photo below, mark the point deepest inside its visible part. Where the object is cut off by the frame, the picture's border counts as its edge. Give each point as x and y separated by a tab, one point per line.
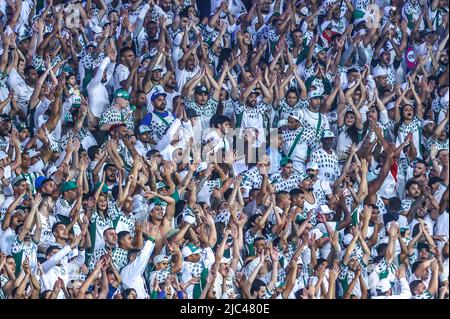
284	160
160	185
122	93
104	188
67	186
172	233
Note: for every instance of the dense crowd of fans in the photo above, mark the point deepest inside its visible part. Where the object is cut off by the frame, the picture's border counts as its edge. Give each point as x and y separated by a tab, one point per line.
237	149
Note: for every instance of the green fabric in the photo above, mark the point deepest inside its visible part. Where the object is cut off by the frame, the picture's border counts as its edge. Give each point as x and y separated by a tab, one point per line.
18	260
162	119
176	195
88	76
92	232
122	93
68	186
239	119
198	288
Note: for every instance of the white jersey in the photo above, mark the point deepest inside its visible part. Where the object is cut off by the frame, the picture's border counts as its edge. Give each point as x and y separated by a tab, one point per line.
328	164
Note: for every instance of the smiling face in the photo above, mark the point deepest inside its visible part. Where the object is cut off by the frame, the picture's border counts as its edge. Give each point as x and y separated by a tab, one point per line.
126	242
61	232
349	119
111	174
128	57
157	213
251	100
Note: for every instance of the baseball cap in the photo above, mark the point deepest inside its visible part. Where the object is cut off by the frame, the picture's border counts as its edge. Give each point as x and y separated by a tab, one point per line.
426	122
434	179
284	161
202	166
157	95
116	125
295	116
379	71
326	210
317	49
426	32
282	123
21	126
157	68
52	170
327	134
160	185
104	188
160	258
143	129
312	165
190	249
67	186
421	246
32	153
17	180
304	11
201	89
91	44
172	233
122	94
303	177
314	94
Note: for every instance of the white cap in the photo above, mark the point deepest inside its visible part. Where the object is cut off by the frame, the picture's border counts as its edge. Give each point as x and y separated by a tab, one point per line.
312	165
202	166
304	11
384	285
143	129
424	123
225	260
325	209
314	94
32	152
379	71
189	219
160	258
190	249
327	134
282	123
390	106
52	170
295	116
